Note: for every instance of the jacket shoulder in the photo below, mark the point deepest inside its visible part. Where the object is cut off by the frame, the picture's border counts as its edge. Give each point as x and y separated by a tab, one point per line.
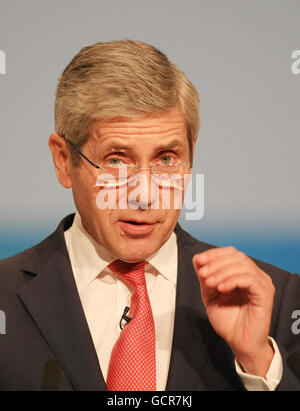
15	267
190	244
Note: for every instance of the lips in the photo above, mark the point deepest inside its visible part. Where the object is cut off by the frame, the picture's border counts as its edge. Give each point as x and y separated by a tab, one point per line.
137	228
136	222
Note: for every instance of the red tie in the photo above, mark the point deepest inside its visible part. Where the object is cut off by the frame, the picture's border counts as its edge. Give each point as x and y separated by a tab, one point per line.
132	362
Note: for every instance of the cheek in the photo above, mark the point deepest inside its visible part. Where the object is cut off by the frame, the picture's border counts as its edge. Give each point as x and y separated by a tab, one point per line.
85	194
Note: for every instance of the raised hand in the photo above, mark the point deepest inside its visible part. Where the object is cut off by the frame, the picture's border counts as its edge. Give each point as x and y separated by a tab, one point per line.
238	297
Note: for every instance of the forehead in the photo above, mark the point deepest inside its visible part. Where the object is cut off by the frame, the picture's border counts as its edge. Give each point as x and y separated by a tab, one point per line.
151	128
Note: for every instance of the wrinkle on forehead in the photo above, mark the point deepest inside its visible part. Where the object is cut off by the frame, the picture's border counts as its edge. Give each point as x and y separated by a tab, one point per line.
167	123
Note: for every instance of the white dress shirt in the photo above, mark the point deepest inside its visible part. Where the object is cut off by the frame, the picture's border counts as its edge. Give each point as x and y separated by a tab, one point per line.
104	297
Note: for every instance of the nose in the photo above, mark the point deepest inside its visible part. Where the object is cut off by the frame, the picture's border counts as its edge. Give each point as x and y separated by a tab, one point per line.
140	191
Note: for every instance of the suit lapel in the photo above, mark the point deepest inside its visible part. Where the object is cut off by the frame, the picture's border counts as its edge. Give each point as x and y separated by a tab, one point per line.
200	359
52	300
186	348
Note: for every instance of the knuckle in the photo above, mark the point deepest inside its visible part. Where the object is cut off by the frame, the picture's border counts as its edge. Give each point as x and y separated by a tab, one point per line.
231	248
242	256
272	286
270	283
273	289
246	266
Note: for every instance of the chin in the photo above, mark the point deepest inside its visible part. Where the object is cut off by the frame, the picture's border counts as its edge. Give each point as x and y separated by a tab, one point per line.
137	252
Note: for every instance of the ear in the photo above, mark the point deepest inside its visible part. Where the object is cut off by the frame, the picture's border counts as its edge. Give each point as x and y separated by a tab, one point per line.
61	159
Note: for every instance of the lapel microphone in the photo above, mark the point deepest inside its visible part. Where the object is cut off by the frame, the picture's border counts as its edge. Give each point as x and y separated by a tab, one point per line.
125	318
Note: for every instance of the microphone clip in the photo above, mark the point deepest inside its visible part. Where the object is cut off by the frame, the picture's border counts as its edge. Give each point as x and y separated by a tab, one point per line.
125	318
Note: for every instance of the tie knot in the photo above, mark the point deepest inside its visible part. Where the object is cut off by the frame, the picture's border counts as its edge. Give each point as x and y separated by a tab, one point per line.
131	273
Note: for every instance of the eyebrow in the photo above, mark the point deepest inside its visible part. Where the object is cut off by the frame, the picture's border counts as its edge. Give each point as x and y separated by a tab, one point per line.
161	147
169	146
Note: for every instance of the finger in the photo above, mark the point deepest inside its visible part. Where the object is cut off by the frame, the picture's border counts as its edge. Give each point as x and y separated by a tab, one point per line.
225	272
207	293
249	283
208	255
216	264
205	290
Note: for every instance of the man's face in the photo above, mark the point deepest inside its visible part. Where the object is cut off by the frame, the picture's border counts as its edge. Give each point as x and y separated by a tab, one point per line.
141	141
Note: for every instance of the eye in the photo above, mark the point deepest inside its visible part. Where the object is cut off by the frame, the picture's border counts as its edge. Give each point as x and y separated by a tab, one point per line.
166	160
114	161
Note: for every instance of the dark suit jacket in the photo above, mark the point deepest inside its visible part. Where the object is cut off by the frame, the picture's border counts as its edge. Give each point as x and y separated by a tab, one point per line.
45	320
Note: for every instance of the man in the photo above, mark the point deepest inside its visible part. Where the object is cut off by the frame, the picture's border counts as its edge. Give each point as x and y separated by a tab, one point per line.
196	317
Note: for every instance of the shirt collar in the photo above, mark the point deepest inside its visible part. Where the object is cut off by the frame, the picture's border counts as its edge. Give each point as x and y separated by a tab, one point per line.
165	259
89	258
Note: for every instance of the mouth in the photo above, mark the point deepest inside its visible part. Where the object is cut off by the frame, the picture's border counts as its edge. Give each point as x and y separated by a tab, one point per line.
137	228
135	222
